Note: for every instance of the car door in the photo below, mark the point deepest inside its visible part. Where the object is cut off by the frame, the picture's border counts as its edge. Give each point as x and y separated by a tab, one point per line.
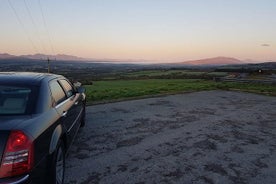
74	112
64	105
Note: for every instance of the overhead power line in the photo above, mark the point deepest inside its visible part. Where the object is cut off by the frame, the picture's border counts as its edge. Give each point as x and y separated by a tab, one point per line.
46	28
35	27
23	27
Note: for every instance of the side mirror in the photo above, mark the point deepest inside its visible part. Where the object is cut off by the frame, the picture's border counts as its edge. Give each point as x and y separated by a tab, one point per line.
80	89
77	84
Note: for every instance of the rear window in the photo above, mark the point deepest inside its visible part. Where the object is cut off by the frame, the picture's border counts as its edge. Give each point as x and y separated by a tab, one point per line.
16	100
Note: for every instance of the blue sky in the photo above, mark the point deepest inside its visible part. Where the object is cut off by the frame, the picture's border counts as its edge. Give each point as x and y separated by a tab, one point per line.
161	30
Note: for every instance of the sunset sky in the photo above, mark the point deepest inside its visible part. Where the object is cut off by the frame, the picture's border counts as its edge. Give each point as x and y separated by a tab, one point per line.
155	30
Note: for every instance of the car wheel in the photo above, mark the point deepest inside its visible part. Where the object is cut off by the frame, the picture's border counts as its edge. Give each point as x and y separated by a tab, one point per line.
58	165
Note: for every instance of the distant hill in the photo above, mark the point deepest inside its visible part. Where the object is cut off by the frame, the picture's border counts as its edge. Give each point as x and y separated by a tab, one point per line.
213	61
60	57
6	56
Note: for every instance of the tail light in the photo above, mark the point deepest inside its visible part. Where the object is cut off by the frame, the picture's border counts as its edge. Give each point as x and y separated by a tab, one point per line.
18	155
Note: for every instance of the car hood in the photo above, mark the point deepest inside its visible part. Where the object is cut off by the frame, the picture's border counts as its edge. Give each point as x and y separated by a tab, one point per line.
11	122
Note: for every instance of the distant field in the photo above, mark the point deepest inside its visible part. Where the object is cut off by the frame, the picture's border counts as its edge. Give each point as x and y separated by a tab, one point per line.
102	91
165	74
162	74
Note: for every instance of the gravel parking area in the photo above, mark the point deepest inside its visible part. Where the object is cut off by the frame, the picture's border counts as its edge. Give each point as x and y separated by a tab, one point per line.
203	137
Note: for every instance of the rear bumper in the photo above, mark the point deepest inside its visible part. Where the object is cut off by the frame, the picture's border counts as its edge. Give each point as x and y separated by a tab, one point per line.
16	180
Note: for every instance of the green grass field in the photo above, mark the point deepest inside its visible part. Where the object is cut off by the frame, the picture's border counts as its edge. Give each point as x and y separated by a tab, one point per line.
105	91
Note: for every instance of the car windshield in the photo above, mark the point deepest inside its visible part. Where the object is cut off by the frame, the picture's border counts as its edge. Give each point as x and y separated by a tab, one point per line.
15	100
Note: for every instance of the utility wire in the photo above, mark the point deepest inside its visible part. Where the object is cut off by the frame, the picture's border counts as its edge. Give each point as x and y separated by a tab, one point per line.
46	28
23	27
35	27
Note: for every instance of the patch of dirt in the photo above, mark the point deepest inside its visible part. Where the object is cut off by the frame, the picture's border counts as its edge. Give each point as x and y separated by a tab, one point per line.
129	142
216	168
205	144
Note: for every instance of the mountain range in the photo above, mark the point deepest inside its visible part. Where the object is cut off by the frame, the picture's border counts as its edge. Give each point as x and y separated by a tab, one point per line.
62	57
214	61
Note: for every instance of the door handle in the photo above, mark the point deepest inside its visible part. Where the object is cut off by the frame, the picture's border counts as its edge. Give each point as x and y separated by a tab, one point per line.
64	113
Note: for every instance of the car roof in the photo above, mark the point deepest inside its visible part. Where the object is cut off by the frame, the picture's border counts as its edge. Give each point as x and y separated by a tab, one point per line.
26	78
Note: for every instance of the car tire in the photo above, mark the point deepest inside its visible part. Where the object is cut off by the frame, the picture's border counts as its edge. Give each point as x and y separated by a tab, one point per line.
58	165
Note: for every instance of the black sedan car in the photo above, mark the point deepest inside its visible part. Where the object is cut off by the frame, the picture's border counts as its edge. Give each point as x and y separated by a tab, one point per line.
40	115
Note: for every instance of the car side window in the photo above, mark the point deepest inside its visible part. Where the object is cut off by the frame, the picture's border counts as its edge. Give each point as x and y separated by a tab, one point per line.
67	87
57	92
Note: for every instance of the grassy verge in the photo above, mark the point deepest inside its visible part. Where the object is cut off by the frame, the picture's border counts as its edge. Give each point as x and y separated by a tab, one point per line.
105	91
265	89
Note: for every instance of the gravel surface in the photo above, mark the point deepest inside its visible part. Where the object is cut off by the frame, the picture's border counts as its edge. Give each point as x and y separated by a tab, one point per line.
203	137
